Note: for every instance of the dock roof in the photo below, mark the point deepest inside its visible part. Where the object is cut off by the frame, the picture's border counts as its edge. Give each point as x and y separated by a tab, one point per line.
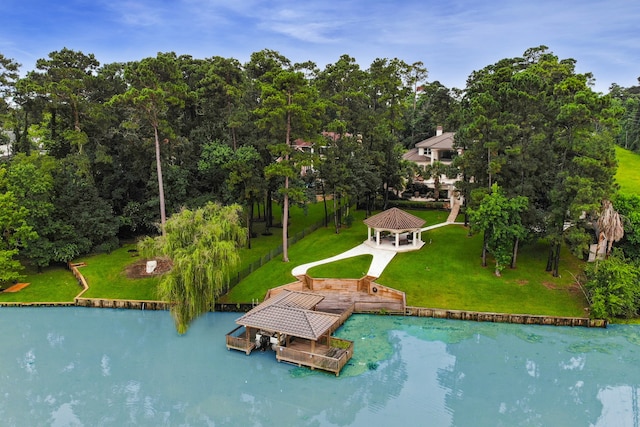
289	313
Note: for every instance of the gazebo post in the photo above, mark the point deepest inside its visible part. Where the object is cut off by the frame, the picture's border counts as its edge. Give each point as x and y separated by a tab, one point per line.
397	239
377	237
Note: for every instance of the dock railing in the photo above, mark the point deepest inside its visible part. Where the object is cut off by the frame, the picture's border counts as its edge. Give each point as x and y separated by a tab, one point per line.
314	360
237	340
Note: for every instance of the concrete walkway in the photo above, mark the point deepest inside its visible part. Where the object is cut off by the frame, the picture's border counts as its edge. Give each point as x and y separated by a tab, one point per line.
380	260
381	257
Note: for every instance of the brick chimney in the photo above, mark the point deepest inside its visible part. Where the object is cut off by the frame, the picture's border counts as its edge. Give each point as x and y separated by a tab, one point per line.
438	130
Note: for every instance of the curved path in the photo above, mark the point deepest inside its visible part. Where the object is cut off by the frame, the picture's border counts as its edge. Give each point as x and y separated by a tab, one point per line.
381	257
380	260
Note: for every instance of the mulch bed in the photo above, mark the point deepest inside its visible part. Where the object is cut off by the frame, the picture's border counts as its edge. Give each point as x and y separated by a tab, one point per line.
138	270
16	287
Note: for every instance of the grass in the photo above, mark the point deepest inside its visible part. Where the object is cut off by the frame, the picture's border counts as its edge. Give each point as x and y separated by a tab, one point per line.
627	175
323	243
53	284
447	273
106	276
349	268
300	219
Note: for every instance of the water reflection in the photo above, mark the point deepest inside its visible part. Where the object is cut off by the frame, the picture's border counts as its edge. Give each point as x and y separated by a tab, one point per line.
84	367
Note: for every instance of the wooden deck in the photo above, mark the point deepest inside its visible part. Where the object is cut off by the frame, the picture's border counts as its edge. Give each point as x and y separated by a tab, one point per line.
337	301
331	357
341	296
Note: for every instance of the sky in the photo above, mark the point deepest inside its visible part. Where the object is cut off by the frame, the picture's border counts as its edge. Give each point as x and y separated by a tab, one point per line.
451	38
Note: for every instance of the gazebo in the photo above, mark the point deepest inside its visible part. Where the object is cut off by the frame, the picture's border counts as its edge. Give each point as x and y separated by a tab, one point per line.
393	228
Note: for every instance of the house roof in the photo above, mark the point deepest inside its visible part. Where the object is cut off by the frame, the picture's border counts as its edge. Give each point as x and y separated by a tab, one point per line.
394	219
438	142
288	313
414	156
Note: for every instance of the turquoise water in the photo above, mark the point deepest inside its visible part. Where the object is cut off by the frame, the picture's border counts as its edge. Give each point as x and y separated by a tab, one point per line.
98	367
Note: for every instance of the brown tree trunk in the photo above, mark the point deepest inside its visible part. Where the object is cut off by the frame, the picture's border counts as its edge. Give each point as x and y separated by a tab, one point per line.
163	215
514	256
484	250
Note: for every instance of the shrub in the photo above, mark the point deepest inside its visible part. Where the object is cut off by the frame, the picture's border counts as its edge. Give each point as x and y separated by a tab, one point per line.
613	287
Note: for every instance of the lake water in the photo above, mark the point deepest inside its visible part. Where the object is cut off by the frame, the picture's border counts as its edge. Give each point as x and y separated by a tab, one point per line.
98	367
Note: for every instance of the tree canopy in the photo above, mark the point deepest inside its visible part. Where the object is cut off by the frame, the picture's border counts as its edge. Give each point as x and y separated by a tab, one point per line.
100	152
202	246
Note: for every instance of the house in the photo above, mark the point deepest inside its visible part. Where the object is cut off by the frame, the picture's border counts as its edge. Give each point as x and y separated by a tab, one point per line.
439	148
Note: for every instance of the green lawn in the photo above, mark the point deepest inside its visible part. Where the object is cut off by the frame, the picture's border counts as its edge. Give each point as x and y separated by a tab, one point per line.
323	243
447	273
350	268
54	284
106	276
628	166
300	219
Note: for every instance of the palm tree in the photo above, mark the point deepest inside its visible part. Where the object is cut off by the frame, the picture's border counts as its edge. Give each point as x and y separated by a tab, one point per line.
434	171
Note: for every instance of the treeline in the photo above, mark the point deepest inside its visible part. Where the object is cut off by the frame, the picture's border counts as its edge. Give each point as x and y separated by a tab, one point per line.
103	151
98	151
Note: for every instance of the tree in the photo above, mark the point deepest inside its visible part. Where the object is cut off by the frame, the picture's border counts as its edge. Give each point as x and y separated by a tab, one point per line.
498	217
8	78
85	221
613	287
628	206
30	178
436	105
15	233
202	246
629	99
289	109
65	79
154	84
534	126
389	85
246	181
435	171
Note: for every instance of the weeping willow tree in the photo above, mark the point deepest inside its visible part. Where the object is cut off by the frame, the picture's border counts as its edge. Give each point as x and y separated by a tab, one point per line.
202	246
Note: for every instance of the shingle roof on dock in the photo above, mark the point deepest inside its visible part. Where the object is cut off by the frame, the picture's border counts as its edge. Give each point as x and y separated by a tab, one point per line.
289	313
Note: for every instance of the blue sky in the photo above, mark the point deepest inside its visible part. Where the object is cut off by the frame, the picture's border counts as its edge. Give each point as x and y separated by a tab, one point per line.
452	38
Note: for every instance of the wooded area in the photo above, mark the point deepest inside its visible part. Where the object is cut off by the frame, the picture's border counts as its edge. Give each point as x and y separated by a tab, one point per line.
100	152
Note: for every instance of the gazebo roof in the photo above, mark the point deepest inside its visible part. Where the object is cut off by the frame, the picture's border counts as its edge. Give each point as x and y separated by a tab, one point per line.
288	313
394	219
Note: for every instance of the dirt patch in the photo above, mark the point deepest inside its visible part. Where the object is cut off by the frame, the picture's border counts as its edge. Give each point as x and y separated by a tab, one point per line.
522	282
549	285
575	288
138	270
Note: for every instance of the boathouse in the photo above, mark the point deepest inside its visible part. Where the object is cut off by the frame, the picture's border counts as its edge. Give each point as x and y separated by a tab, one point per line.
289	324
